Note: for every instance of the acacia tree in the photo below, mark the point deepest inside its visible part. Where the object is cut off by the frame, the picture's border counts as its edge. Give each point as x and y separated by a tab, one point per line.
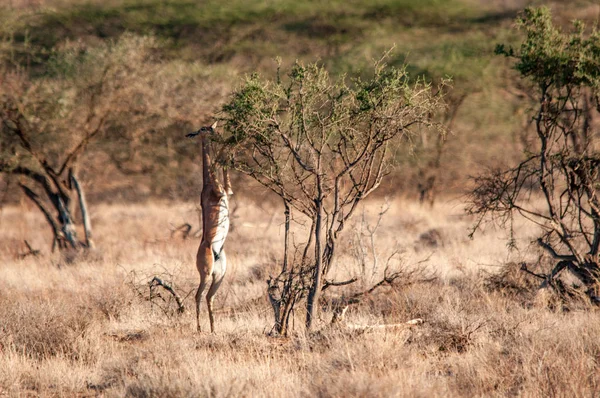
562	167
322	145
48	122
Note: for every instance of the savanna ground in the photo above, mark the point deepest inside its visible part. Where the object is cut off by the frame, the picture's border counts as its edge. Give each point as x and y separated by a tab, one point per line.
86	325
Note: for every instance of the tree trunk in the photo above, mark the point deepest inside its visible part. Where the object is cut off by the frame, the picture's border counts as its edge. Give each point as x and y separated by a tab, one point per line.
286	242
61	222
87	223
57	235
68	227
280	291
315	290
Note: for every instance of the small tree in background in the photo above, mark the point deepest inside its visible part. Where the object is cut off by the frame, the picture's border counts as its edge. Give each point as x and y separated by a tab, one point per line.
322	145
430	154
48	122
562	166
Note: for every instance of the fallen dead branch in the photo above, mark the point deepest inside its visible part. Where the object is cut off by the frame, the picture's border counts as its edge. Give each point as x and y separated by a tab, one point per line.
327	284
407	324
158	282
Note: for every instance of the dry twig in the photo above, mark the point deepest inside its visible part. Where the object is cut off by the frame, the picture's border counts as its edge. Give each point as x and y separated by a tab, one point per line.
31	252
158	282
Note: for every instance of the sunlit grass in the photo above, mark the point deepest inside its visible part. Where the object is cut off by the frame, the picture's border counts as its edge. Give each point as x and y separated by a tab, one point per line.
86	326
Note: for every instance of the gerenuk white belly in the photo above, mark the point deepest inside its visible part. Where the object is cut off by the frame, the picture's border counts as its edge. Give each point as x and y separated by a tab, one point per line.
222	226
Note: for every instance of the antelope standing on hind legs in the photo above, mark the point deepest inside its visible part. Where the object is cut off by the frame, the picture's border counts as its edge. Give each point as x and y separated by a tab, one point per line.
211	260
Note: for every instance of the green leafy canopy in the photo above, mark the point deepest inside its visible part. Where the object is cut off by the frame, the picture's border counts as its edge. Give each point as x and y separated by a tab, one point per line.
551	58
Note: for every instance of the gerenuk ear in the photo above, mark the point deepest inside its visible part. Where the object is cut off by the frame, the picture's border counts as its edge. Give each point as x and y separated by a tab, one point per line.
214	125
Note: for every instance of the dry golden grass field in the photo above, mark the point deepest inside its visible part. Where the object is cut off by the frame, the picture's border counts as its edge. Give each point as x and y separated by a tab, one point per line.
86	326
104	91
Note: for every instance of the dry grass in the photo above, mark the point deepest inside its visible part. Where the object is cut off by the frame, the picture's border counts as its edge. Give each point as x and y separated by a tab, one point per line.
84	326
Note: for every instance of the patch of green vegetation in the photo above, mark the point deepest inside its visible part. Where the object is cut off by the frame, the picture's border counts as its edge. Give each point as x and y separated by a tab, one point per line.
421	13
209	24
464	58
438	38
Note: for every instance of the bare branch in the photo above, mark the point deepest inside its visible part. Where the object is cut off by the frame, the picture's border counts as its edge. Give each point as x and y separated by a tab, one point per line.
31	251
328	284
553	252
525	269
156	281
80	147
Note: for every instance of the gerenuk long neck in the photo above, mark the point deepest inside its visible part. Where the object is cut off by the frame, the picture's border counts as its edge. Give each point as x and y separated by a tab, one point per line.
206	164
